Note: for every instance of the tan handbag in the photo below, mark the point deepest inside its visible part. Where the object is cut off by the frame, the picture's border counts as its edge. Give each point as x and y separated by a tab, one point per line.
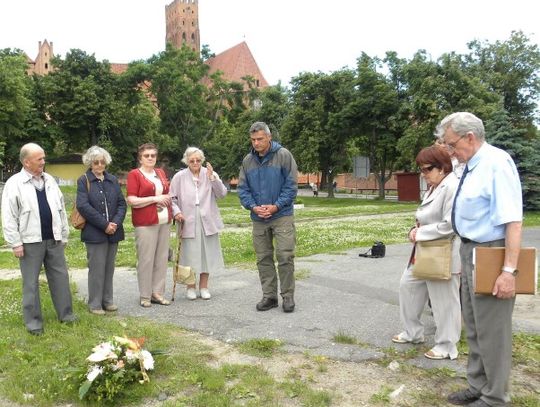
181	274
433	259
77	220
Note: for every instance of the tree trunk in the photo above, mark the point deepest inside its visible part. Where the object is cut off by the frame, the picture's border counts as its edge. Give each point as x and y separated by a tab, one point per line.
381	182
324	176
93	136
382	176
331	185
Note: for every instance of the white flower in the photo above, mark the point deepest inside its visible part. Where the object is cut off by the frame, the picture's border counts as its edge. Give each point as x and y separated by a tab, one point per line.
148	360
104	347
131	355
102	352
96	370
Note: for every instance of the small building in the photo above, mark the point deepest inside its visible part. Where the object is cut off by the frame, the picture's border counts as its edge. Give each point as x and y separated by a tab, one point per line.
42	64
67	169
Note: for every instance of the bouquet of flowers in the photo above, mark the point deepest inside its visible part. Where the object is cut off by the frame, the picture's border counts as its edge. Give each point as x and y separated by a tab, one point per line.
114	364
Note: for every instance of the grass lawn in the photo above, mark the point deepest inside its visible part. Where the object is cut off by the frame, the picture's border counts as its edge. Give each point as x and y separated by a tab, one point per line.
48	370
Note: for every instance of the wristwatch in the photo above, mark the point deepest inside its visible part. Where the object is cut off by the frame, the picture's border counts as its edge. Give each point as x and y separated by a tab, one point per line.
510	270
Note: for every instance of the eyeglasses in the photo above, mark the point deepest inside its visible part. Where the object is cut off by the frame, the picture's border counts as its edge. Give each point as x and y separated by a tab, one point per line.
149	155
427	169
99	162
195	161
452	146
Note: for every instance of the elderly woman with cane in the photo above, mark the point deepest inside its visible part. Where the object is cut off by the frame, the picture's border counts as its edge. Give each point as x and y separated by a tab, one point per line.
194	192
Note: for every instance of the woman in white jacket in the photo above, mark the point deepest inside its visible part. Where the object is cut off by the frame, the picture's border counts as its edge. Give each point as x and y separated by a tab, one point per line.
194	192
433	221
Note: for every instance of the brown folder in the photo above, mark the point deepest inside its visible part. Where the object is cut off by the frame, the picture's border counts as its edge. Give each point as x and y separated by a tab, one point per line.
489	262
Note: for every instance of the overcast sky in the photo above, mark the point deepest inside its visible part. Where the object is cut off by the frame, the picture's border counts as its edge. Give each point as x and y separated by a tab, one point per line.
285	36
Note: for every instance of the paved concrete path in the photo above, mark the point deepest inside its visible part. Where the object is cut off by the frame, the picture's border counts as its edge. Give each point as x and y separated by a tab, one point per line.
337	293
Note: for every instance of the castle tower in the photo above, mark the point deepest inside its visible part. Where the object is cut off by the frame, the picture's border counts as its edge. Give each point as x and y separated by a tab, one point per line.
42	64
182	24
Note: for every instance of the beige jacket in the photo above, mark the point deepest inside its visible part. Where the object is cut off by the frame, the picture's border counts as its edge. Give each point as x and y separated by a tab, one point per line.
20	211
434	215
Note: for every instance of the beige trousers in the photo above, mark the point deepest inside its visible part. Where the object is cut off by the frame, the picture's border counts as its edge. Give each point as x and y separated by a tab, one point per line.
152	244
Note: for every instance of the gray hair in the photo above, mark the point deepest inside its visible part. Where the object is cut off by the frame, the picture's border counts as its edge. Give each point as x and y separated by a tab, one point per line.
461	123
190	151
95	153
28	149
258	126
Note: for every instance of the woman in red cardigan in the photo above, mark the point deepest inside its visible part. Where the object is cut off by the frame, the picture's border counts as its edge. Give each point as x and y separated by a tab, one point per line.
148	196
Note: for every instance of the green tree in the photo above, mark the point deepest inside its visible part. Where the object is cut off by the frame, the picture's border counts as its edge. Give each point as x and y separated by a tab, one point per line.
227	100
15	104
78	94
526	153
176	82
429	90
230	142
374	116
317	127
510	68
83	103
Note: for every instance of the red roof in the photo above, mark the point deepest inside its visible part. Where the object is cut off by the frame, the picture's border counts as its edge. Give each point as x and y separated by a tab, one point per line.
236	63
118	68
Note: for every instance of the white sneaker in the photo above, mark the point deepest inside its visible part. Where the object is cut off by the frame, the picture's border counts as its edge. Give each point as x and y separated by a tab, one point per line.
191	294
205	294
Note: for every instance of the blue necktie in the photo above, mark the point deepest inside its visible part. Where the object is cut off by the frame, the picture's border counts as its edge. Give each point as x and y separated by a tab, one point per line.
465	172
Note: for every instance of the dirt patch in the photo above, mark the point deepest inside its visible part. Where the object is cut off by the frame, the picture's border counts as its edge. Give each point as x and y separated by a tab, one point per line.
354	384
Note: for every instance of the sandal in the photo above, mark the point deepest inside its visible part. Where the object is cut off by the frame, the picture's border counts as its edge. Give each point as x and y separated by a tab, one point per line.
400	339
431	354
160	301
145	304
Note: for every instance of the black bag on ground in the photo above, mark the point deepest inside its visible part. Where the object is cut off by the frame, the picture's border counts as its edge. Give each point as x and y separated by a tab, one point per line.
378	250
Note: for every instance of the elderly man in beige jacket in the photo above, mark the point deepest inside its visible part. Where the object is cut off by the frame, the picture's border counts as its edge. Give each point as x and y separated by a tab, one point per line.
35	226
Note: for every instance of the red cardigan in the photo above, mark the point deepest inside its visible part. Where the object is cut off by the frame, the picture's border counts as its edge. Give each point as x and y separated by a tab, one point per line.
139	186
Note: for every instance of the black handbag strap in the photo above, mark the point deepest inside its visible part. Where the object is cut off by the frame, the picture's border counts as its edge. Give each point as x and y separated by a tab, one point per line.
366	254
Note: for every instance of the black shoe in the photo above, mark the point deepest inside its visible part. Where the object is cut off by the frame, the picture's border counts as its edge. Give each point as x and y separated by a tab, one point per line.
36	332
71	320
267	303
462	398
288	304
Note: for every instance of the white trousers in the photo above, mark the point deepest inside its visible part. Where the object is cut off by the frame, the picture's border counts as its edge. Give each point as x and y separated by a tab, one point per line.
444	296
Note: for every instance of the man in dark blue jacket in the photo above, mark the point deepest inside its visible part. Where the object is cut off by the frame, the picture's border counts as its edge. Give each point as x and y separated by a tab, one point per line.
267	186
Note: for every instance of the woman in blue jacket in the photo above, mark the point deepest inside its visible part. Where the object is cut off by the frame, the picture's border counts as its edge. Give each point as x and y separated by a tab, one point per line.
101	203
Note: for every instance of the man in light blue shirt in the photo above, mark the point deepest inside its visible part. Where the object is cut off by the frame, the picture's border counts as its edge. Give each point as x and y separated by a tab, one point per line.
487	211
